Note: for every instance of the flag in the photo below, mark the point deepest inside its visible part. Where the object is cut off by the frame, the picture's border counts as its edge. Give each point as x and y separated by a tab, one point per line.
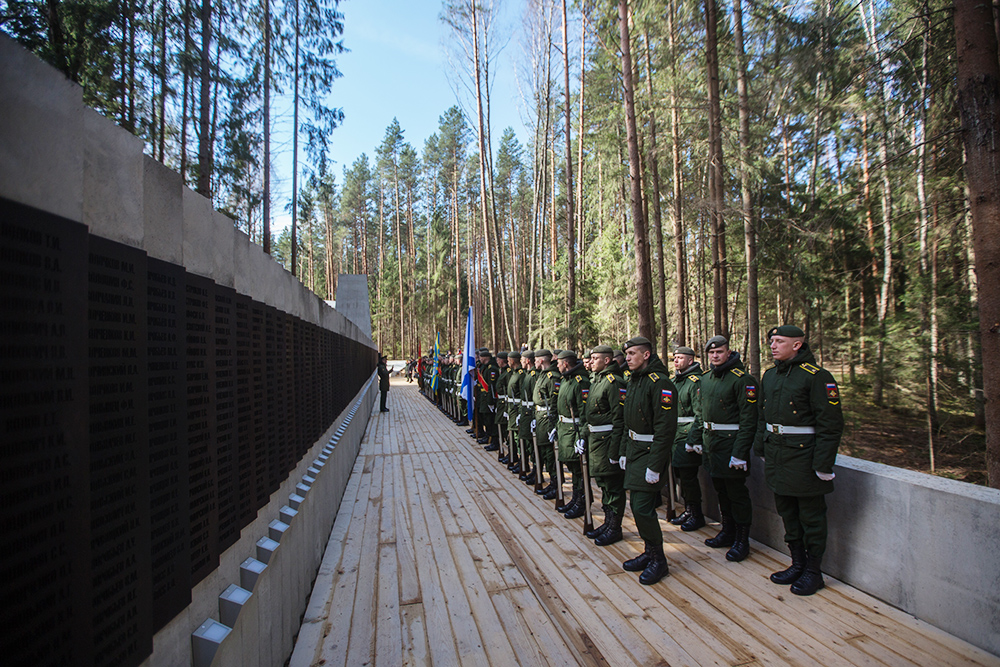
435	369
468	365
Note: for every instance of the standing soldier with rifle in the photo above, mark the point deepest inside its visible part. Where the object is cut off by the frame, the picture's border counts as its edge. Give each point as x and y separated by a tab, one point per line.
526	433
544	397
571	406
650	428
513	407
729	417
501	413
798	435
488	373
687	457
606	422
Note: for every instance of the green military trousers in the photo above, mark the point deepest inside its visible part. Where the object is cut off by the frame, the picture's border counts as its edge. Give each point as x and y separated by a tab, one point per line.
687	477
613	491
734	498
805	521
644	512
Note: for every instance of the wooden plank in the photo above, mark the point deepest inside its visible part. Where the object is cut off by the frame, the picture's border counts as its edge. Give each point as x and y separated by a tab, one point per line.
388	635
361	646
414	636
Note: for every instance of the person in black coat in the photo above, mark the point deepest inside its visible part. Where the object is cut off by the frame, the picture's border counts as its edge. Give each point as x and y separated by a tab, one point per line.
383	380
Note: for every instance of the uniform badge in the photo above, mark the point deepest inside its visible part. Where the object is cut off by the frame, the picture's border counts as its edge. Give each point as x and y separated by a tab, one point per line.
751	394
666	398
832	393
557	385
621	394
585	392
654	377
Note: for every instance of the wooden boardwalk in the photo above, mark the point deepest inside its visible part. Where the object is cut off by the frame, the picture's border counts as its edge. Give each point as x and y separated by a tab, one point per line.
440	556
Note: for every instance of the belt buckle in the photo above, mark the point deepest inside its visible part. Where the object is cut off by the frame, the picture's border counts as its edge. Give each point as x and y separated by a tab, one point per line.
781	429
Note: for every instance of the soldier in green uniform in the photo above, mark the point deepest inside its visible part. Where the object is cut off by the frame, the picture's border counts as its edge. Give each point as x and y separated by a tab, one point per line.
798	435
513	407
650	427
687	457
605	423
729	417
501	413
623	365
571	430
489	371
463	403
525	431
544	398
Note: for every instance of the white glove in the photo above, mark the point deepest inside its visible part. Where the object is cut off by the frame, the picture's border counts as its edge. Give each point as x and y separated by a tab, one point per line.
652	477
517	422
506	416
552	435
826	476
698	449
739	464
688	448
492	409
578	447
621	463
614	462
532	425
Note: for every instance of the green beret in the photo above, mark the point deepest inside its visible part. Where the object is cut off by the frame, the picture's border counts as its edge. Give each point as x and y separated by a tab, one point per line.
556	352
684	350
602	349
567	354
501	355
787	330
542	353
638	340
514	355
483	352
619	353
716	341
527	354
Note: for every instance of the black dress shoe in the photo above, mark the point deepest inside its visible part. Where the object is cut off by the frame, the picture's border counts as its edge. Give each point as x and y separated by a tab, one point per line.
491	448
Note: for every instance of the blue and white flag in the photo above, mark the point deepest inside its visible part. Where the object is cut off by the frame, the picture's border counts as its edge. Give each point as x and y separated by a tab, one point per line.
468	366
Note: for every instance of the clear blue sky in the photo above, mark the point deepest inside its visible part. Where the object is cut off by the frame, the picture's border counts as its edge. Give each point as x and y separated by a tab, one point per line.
397	68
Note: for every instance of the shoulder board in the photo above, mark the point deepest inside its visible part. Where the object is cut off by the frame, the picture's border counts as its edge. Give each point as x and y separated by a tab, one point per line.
737	372
809	368
520	371
693	378
704	373
654	377
549	373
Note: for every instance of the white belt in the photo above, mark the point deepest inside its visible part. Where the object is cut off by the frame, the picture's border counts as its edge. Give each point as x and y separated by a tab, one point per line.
600	429
640	437
781	429
515	401
530	404
713	426
569	420
541	408
685	420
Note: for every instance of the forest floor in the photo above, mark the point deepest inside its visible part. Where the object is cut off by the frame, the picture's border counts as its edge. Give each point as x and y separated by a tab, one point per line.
897	436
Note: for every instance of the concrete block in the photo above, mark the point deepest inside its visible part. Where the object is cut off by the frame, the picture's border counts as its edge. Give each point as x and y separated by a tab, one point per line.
250	571
162	212
208	240
231	603
206	640
353	301
41	130
112	180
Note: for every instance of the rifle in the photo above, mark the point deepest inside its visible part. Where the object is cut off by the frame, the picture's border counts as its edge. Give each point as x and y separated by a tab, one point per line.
538	456
672	496
560	501
588	493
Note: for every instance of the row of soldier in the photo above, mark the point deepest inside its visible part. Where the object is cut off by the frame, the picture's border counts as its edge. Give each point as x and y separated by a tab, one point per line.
618	417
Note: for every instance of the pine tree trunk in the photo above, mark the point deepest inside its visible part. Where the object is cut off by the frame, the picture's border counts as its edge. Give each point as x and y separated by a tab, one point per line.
680	254
643	280
979	107
654	173
572	339
204	118
265	237
716	192
295	159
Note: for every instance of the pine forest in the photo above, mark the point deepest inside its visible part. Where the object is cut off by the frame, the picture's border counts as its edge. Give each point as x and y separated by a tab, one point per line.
694	167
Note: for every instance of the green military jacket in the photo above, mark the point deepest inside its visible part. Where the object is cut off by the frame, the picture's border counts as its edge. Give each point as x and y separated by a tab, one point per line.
514	397
527	404
544	397
605	421
688	416
798	393
490	373
571	404
502	381
650	410
728	397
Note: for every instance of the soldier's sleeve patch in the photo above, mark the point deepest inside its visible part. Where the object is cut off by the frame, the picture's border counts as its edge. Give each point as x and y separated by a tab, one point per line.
585	392
621	395
751	393
557	385
832	393
809	368
737	372
666	399
654	377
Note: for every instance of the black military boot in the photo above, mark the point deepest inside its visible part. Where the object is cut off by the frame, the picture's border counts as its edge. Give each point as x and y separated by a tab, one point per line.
639	563
527	475
550	492
483	440
656	568
794	571
811	579
515	468
573	502
726	536
695	521
505	459
594	532
494	444
613	533
741	545
684	516
580	509
542	491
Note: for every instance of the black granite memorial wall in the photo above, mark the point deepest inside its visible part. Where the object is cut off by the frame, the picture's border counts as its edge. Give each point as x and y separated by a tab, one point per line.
147	415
